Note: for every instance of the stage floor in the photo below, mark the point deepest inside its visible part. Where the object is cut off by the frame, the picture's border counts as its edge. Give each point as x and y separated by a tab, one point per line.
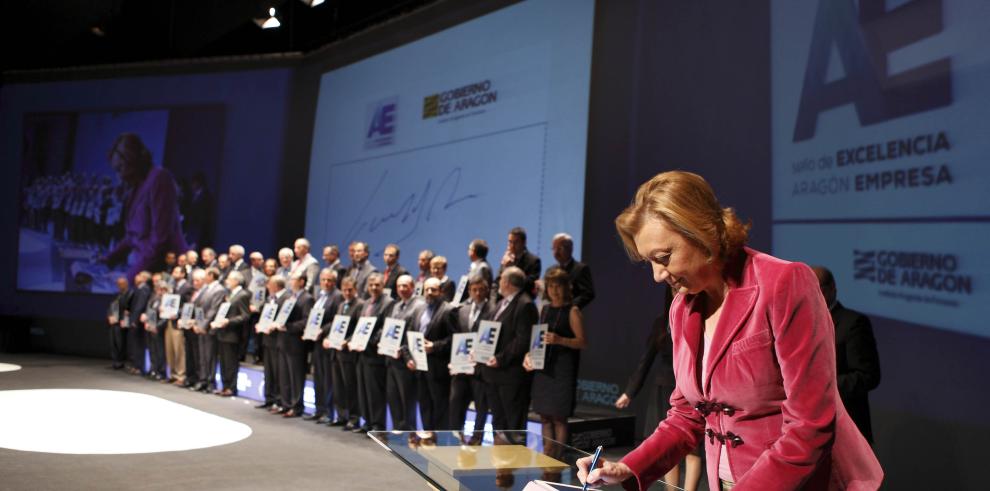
277	453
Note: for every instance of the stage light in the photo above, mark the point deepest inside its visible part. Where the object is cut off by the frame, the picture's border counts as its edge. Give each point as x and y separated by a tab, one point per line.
271	22
312	3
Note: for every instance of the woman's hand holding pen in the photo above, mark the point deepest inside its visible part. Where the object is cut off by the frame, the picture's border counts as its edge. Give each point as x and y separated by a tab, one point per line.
608	472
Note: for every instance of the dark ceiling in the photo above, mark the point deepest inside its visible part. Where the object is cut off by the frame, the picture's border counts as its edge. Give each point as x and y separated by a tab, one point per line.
67	33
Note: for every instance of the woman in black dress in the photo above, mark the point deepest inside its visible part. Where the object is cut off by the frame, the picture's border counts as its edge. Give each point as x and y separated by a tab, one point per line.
555	385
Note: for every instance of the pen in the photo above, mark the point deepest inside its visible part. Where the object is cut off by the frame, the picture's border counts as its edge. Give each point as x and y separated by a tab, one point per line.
594	462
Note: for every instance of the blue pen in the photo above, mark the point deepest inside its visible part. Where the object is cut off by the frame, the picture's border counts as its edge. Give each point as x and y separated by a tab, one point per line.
594	462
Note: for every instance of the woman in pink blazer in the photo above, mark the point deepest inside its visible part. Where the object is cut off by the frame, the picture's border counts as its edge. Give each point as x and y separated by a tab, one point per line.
754	355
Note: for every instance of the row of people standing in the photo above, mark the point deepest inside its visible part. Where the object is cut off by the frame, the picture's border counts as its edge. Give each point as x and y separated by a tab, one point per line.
356	384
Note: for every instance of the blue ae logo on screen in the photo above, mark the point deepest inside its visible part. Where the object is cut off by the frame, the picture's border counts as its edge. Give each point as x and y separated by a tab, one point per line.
380	123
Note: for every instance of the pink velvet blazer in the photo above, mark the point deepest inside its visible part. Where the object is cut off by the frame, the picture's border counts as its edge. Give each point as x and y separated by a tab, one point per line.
769	398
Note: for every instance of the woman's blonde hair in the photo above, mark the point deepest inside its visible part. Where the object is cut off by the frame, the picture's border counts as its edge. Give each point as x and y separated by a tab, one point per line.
686	203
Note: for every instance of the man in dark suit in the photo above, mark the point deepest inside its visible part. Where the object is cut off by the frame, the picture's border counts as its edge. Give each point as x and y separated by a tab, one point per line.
230	330
393	270
371	365
328	299
345	398
507	382
132	321
518	256
331	259
115	314
400	386
191	339
858	364
360	267
292	349
437	322
277	293
582	287
478	254
465	388
209	301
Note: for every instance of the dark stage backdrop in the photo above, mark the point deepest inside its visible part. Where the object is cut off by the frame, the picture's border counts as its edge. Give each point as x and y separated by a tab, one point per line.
675	85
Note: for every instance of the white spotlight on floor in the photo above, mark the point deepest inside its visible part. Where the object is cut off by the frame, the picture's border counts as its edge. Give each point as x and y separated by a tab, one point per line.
271	22
312	3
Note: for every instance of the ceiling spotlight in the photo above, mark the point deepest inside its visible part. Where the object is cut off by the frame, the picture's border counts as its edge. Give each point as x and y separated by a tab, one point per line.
312	3
271	22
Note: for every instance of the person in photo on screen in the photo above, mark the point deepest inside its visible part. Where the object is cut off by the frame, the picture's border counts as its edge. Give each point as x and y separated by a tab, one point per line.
578	272
516	255
754	355
400	387
857	360
115	314
438	270
554	392
658	344
393	270
151	224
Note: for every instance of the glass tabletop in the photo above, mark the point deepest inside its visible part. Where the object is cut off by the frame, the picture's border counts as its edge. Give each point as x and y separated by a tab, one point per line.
490	460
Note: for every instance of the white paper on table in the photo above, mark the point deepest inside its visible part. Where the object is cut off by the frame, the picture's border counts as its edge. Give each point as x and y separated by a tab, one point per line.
484	348
313	324
417	346
338	331
391	340
264	325
170	305
460	353
362	333
537	349
285	310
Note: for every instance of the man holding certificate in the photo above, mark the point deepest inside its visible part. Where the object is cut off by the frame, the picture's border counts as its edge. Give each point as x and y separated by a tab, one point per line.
208	302
269	343
328	299
371	365
344	374
437	323
230	329
508	384
467	387
400	385
291	322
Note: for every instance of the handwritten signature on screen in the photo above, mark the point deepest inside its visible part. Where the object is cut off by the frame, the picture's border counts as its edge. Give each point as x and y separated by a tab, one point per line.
412	209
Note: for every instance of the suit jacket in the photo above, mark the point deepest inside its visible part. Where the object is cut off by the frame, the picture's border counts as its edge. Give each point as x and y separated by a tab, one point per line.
309	267
857	364
482	268
517	319
464	323
291	340
410	313
449	288
380	310
582	286
238	316
153	304
393	276
531	265
210	301
772	361
439	331
272	339
123	300
138	304
184	291
330	307
353	309
361	274
244	268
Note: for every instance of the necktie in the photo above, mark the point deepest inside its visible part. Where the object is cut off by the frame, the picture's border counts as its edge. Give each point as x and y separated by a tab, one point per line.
474	314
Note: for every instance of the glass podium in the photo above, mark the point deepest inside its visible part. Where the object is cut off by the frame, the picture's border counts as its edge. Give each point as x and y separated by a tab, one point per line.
499	460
